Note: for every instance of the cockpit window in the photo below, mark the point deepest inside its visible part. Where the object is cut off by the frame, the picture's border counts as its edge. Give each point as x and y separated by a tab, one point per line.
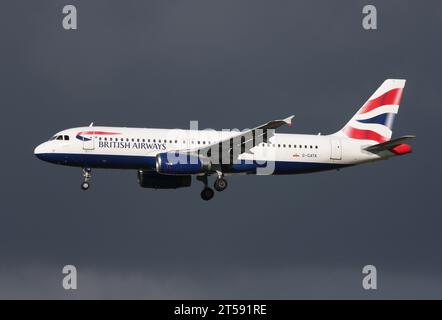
59	137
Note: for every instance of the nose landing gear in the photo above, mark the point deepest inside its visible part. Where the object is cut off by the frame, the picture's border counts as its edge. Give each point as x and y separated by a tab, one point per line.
87	175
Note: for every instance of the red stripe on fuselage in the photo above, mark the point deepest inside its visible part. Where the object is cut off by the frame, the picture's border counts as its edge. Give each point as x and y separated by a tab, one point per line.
97	133
364	134
390	97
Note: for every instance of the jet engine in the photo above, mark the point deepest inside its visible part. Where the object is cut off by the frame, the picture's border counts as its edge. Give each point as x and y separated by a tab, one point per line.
181	164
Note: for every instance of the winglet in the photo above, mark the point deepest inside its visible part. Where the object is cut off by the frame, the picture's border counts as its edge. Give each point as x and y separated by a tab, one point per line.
288	120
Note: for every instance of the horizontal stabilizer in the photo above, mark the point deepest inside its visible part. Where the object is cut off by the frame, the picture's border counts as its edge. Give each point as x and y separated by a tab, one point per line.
391	145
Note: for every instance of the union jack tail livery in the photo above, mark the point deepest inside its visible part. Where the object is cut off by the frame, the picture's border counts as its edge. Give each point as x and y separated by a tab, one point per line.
374	120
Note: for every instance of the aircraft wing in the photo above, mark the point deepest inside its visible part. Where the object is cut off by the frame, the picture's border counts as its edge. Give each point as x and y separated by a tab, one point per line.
247	139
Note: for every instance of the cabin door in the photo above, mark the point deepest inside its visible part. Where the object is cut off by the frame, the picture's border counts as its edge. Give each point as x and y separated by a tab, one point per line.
88	142
336	149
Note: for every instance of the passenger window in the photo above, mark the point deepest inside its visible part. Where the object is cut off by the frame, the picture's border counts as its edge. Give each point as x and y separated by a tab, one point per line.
283	145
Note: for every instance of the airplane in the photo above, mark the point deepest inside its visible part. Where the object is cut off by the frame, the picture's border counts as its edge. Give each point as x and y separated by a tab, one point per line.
169	158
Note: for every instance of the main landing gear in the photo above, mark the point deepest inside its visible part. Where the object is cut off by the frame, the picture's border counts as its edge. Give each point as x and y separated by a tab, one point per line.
87	175
219	185
207	192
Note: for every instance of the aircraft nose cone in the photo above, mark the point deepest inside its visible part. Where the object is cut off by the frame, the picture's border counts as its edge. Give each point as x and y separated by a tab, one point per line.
39	151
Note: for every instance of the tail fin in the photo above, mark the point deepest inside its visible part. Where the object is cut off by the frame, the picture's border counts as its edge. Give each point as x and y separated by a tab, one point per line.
374	121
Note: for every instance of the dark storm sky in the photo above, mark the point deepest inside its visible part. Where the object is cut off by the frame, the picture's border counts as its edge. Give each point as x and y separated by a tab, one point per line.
228	64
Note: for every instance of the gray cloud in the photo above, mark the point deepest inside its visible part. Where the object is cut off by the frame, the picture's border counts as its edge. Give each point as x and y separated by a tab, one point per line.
295	282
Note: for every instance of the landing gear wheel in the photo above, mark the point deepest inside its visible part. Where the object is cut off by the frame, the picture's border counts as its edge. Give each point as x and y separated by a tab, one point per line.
85	185
220	184
87	175
207	194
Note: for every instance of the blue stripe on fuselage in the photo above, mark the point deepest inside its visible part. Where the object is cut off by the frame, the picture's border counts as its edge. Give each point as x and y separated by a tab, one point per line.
148	163
99	160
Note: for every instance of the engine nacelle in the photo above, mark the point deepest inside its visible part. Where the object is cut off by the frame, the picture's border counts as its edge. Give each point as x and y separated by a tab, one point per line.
181	164
151	179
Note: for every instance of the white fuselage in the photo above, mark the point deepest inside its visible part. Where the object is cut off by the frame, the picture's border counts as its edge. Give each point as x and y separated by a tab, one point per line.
136	148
